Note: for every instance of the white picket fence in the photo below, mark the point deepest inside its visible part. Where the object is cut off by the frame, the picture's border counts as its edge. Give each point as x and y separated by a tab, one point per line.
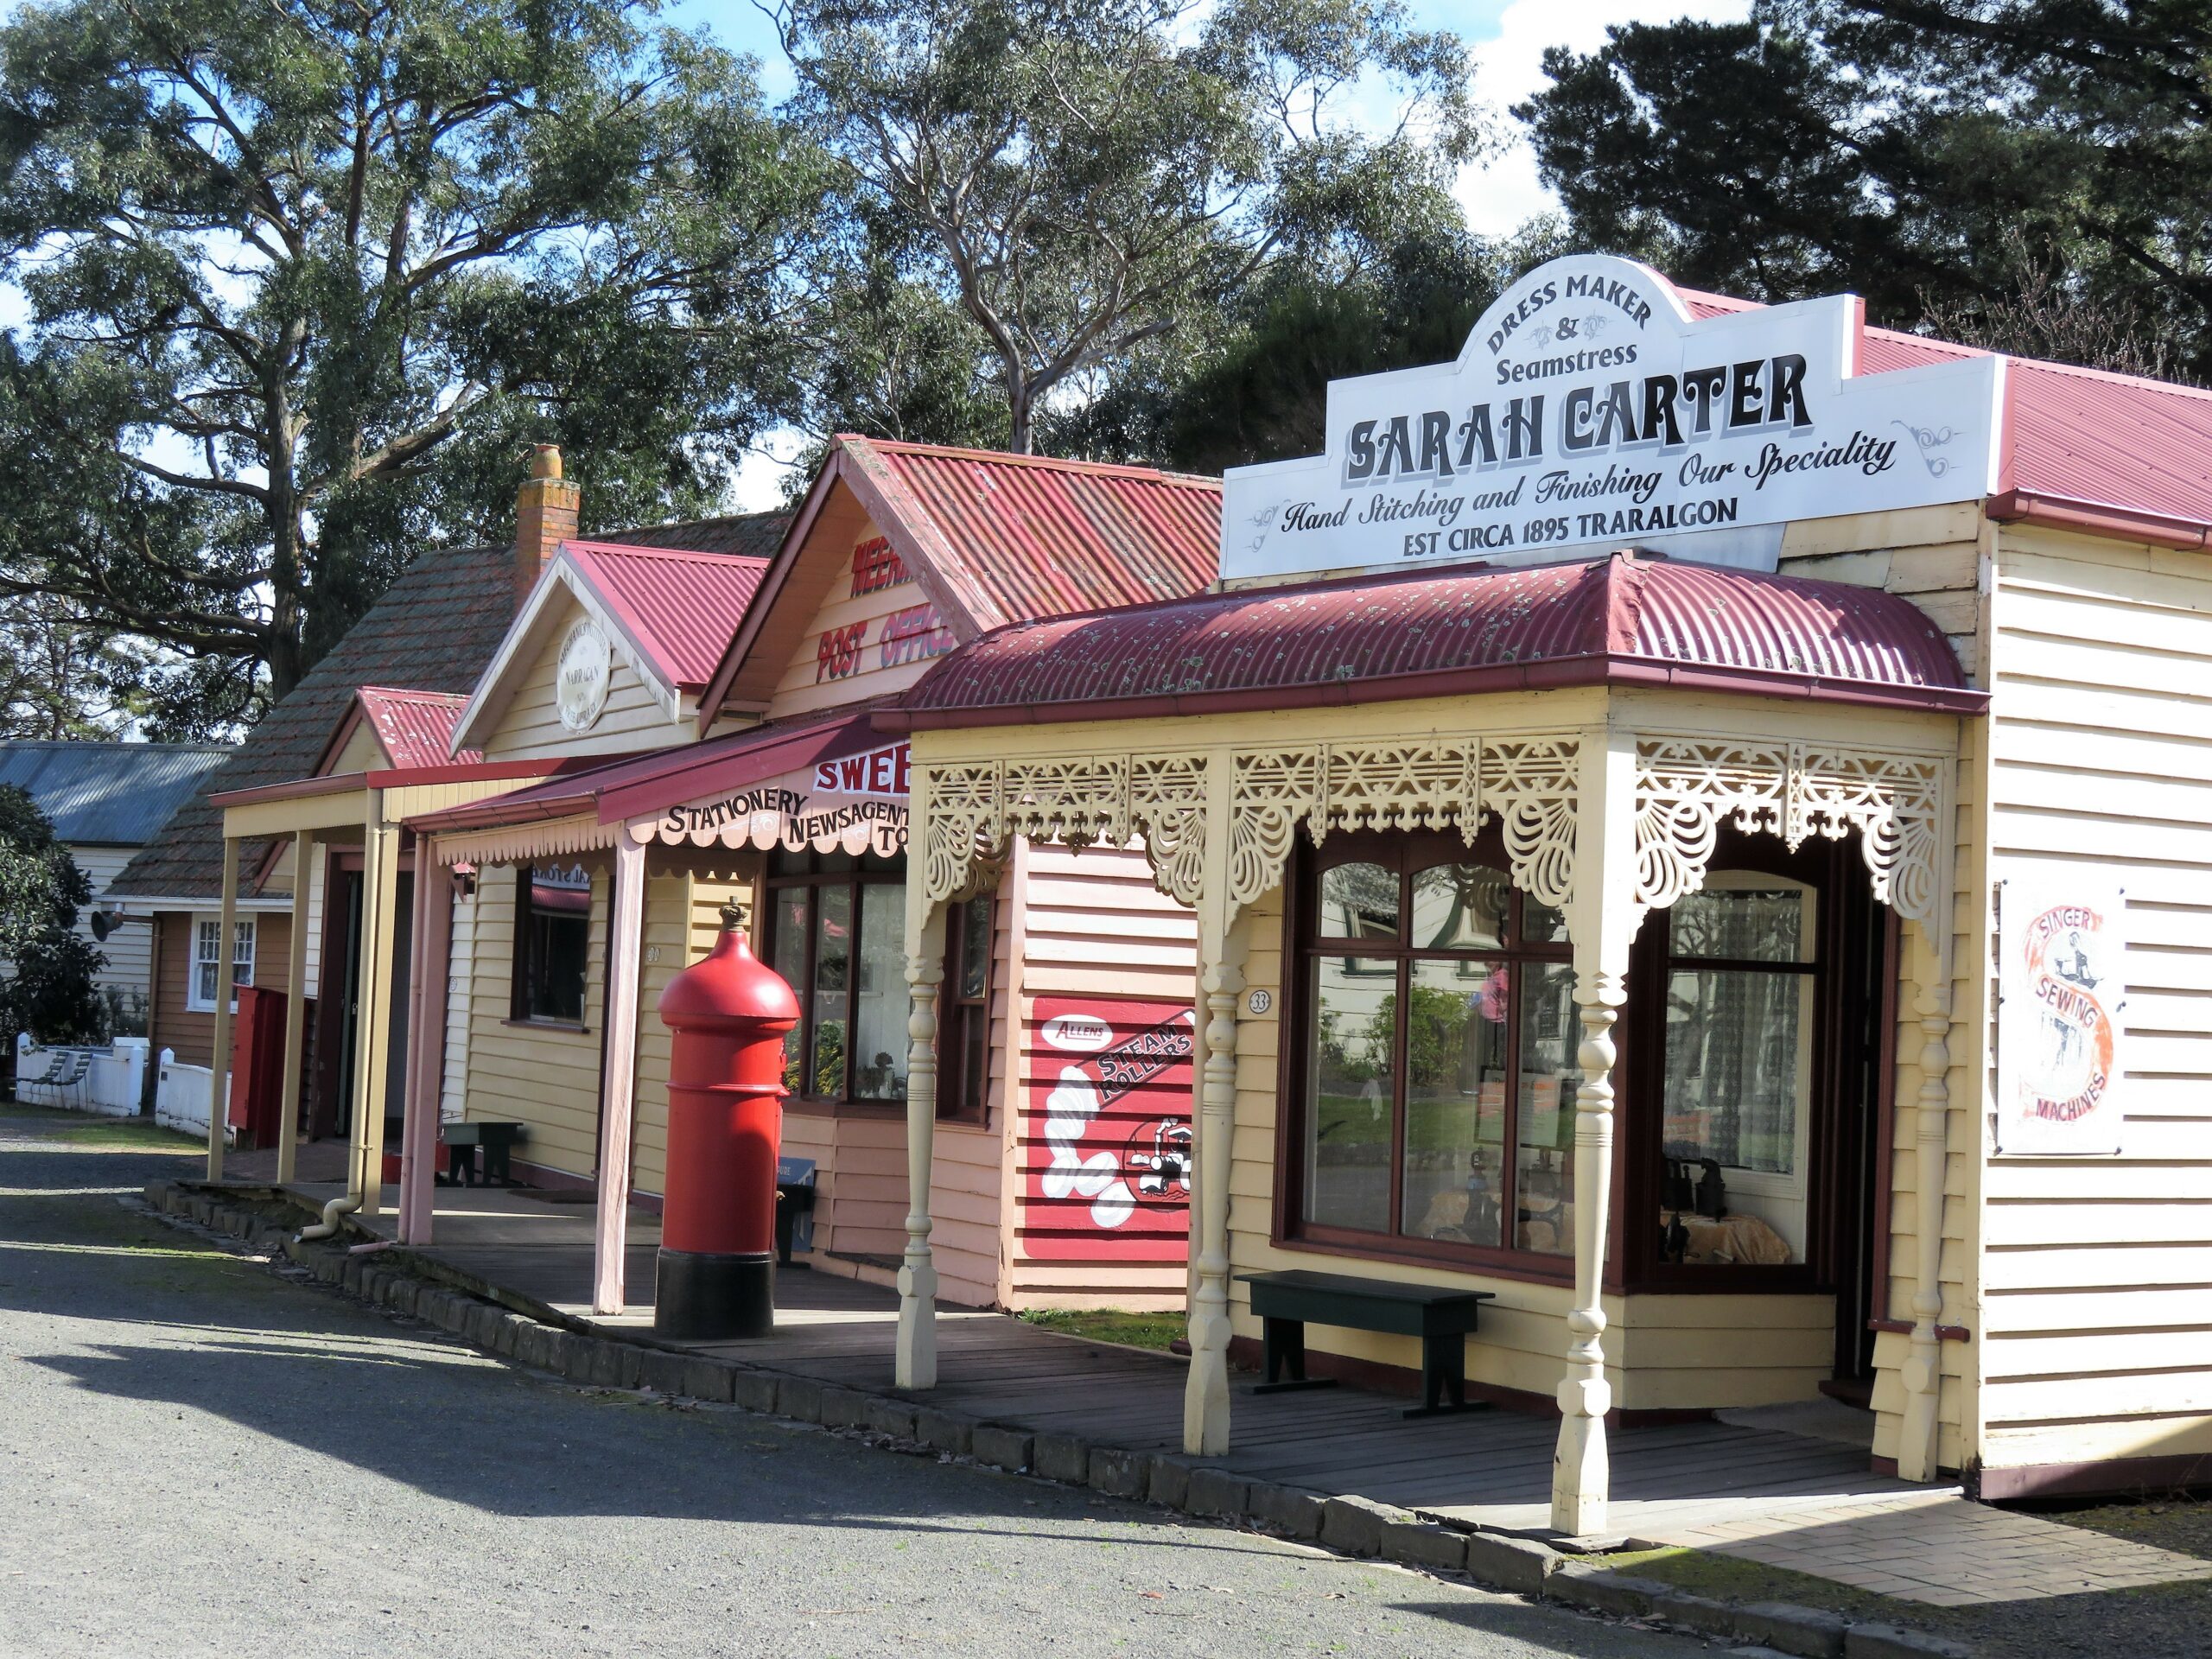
109	1085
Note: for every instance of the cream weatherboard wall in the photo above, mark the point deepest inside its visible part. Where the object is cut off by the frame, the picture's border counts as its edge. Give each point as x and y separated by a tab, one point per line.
2096	1303
1940	558
529	727
543	1076
862	645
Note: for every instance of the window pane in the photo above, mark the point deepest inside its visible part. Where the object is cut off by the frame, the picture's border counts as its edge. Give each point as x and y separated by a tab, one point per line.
833	960
1455	1099
1460	907
975	920
975	1062
1738	1067
1540	924
880	989
1769	923
1544	1159
557	933
794	917
1359	901
242	955
1349	1106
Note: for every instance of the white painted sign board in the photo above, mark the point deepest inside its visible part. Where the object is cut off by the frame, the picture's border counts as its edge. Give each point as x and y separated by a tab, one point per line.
852	802
2059	1045
1589	409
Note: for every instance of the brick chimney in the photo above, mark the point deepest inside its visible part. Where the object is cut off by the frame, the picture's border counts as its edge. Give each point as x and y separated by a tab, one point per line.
545	516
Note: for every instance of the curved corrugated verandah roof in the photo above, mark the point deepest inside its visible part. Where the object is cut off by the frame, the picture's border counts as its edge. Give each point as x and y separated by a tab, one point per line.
1618	620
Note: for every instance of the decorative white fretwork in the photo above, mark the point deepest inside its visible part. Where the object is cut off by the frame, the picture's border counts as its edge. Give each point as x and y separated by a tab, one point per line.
1686	786
1168	807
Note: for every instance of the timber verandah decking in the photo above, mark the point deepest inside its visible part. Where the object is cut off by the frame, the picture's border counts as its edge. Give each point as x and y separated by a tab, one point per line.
1491	1468
1750	1487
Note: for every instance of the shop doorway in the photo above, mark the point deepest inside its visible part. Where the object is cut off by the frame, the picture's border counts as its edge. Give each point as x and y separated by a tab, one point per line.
338	1016
1761	1029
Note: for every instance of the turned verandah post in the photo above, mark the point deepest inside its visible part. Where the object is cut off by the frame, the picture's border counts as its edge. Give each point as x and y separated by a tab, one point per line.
1602	917
915	1363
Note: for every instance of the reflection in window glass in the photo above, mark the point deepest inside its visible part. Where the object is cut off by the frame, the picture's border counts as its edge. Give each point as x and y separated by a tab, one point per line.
833	957
1455	1100
1738	1067
1348	1128
880	996
555	943
793	922
1460	907
1544	1158
1359	901
1540	924
975	922
1746	924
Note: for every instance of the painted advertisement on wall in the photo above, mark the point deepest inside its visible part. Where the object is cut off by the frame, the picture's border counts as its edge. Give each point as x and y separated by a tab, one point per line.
2059	1045
1106	1130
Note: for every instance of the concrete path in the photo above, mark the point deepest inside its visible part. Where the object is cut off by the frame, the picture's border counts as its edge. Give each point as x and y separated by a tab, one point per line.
199	1456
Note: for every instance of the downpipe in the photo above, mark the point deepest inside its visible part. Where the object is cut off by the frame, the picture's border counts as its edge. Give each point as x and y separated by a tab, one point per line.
327	1227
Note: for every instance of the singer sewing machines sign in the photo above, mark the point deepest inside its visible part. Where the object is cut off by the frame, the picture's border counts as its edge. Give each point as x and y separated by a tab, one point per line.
2059	1064
1591	406
1106	1146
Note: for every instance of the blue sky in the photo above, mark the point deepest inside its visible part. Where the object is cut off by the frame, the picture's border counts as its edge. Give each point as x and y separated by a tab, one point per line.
1508	38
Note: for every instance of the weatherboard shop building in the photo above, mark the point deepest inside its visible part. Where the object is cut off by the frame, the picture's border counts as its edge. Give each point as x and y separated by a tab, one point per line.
757	778
1769	961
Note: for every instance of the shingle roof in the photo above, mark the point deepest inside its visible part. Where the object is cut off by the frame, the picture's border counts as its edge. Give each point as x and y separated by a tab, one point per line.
108	794
434	630
748	535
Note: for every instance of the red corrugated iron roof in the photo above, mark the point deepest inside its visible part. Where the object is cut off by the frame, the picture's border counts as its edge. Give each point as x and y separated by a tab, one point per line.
994	538
638	783
1619	619
2082	448
416	728
681	607
1034	536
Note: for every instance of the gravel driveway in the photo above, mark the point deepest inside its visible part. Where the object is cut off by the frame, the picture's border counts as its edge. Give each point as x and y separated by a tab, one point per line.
201	1456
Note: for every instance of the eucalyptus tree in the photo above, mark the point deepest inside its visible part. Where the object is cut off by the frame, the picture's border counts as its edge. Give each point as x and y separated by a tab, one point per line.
304	276
1092	180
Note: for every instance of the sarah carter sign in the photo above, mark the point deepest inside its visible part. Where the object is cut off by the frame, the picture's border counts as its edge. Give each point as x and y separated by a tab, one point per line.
1589	407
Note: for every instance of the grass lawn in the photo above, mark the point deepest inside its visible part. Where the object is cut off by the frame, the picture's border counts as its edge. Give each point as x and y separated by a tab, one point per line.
1153	1330
112	1134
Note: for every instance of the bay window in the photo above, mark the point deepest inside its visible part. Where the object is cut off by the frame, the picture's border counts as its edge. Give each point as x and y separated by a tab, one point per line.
1437	1074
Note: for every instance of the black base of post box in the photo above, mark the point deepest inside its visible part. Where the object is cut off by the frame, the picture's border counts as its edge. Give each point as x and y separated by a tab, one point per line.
703	1298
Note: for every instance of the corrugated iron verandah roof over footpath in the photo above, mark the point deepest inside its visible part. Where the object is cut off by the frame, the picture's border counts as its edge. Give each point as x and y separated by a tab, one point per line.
1618	619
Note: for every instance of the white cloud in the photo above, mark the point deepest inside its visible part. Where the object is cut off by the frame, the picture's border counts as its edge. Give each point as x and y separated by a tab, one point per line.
1504	194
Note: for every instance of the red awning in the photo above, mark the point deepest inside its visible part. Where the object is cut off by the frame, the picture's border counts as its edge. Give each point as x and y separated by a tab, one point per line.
638	785
1621	619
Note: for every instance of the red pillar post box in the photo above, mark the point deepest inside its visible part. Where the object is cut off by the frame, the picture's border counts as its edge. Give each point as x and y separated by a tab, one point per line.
727	1016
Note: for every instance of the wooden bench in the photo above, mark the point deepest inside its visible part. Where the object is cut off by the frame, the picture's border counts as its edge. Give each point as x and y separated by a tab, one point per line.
1443	1319
496	1139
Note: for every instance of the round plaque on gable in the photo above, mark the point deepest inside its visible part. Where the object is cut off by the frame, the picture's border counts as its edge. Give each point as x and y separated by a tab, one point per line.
586	663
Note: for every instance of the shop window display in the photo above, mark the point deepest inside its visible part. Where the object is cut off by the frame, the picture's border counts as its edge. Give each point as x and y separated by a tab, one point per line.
1438	1106
836	929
